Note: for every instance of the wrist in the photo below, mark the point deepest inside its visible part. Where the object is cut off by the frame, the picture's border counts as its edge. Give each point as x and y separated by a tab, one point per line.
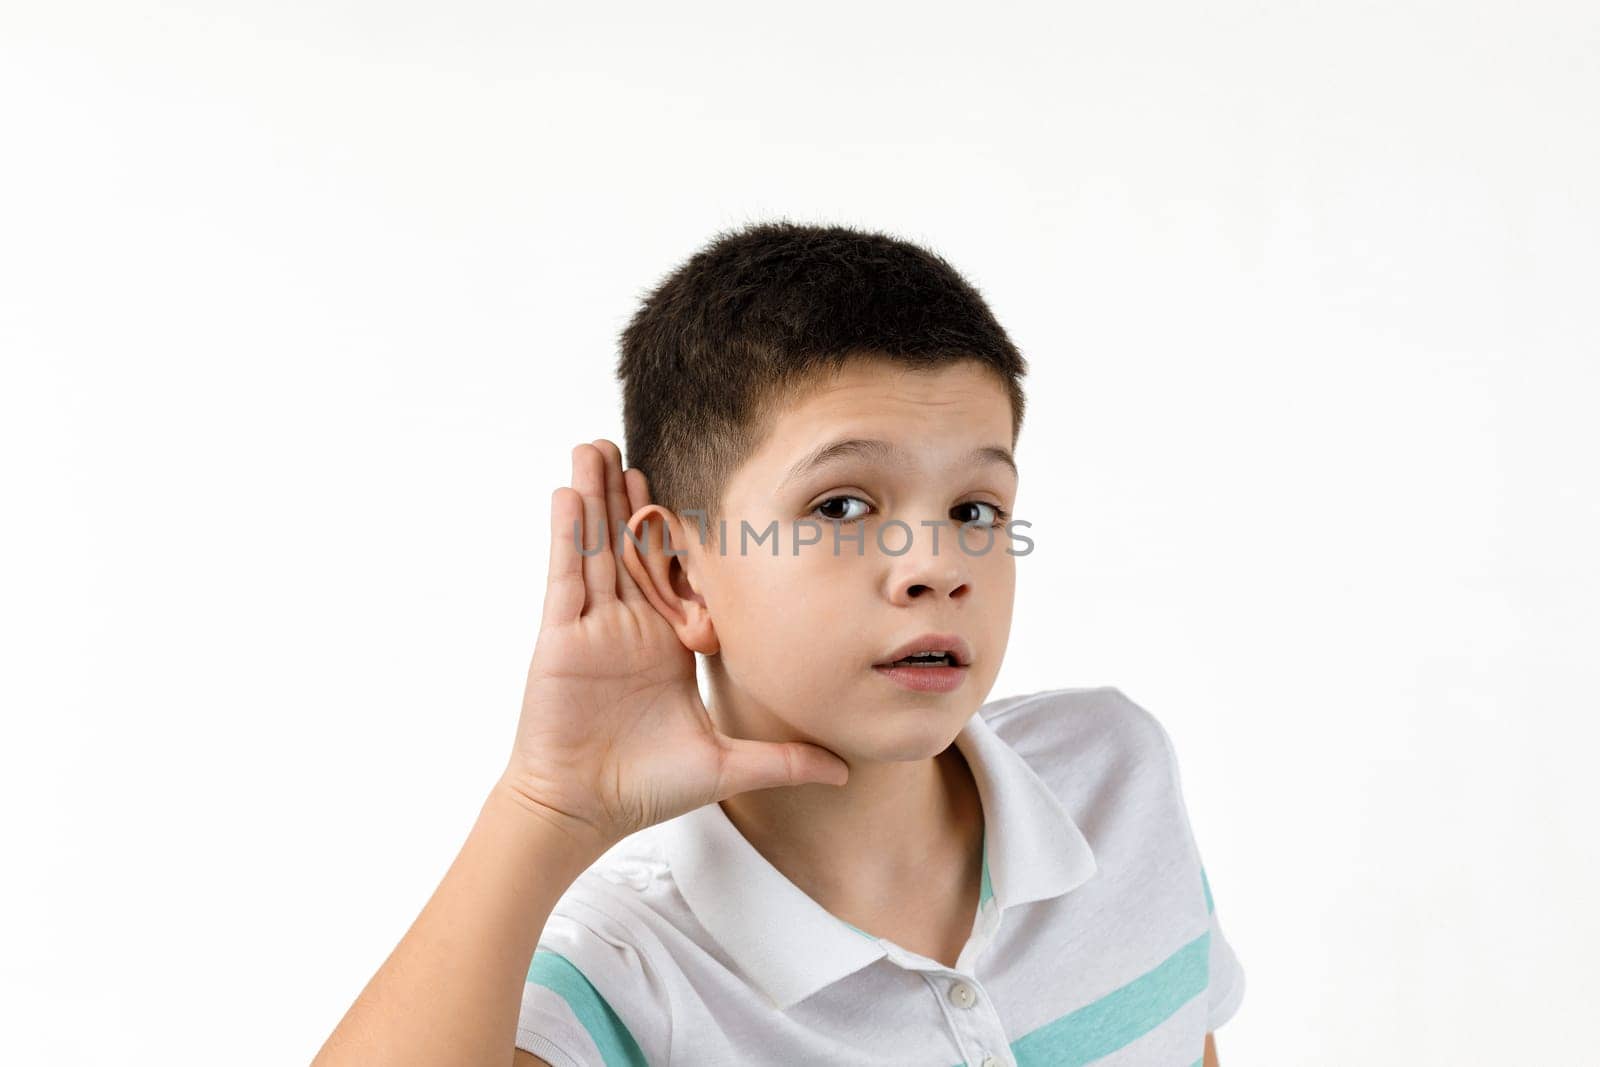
576	843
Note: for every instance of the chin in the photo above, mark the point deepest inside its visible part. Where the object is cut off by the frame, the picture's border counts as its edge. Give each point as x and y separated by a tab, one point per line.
902	735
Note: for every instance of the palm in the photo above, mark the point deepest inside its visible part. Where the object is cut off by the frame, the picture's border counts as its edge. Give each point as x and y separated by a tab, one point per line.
613	735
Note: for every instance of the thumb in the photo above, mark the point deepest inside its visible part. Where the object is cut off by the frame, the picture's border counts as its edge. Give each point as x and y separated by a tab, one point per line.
748	765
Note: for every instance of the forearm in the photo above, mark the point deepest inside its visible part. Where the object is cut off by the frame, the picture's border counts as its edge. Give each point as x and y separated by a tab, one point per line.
449	993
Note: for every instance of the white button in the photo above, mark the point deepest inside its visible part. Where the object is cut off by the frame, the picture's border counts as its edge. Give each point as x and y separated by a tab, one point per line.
962	996
990	1061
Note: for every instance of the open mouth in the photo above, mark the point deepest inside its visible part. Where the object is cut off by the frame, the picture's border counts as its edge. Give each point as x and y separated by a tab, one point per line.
938	673
933	662
937	659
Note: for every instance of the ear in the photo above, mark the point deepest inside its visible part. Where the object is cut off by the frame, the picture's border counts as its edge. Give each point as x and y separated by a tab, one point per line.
661	552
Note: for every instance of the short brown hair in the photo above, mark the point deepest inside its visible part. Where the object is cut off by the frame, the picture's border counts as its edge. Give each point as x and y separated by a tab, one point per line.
743	324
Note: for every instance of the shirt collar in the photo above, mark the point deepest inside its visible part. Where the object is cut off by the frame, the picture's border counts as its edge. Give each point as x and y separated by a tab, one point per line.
789	946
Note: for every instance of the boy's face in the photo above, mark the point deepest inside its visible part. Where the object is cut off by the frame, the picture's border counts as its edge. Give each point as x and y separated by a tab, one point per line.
799	635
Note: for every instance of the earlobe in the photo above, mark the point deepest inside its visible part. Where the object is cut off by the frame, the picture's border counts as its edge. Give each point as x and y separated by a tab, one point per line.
664	578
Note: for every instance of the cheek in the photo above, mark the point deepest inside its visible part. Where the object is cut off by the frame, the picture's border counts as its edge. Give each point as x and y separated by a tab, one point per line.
788	624
767	607
1000	604
1005	581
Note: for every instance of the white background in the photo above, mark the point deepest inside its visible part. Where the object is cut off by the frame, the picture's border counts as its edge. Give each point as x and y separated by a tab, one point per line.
303	307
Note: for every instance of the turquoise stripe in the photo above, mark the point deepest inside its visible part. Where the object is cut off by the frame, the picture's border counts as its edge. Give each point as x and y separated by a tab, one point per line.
555	972
1122	1016
985	891
1204	881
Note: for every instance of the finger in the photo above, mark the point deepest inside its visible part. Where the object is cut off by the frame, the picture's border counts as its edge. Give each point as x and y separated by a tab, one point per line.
750	765
617	514
638	496
599	564
563	590
638	489
616	487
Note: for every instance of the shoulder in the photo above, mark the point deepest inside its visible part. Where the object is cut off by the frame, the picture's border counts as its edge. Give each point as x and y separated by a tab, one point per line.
1107	758
1079	726
614	907
599	980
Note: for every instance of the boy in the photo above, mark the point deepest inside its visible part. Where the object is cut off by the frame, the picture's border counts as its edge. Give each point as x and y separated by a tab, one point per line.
839	857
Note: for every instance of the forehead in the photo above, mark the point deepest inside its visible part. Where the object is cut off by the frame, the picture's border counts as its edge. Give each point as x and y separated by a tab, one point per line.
879	388
936	414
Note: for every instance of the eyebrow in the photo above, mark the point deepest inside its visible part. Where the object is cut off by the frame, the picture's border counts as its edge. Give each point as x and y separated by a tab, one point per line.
871	448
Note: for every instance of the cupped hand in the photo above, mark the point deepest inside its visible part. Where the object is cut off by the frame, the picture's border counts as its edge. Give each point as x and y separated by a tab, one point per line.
613	735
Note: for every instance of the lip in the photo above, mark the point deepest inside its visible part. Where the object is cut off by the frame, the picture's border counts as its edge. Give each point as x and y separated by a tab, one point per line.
925	679
952	643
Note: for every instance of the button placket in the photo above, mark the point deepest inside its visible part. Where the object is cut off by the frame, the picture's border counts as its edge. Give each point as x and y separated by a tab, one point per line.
972	1019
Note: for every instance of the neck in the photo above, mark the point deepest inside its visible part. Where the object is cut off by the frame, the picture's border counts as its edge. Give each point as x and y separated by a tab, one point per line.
856	848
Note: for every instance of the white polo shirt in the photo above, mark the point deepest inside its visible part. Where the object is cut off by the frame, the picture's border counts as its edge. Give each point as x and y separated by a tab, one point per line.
1095	938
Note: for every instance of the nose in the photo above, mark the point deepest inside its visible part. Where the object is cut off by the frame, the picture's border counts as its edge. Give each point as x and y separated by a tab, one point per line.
932	588
922	573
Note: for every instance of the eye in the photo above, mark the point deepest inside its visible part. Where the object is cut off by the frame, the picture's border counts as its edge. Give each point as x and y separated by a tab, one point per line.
839	518
1000	513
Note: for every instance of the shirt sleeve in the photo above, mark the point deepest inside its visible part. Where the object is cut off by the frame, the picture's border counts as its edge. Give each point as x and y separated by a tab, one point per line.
1225	988
583	987
1225	974
547	1025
